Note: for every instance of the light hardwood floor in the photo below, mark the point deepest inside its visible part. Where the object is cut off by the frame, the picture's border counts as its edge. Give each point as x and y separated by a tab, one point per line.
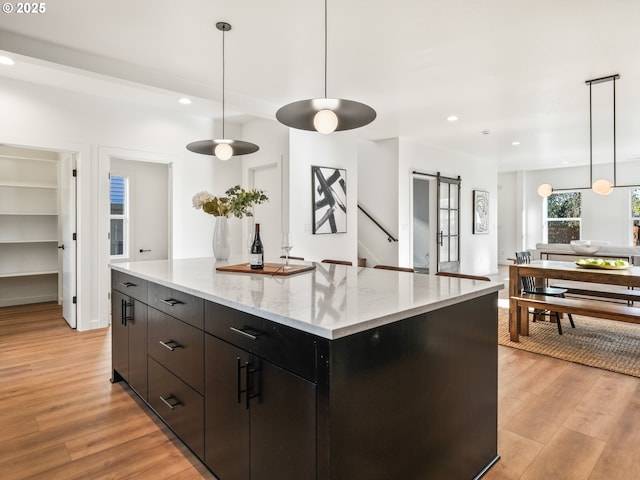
61	418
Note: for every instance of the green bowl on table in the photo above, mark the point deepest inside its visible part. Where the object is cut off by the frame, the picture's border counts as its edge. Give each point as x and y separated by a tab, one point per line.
604	263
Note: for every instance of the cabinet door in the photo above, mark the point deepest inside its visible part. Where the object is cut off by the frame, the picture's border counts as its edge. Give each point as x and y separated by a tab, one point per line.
273	435
283	426
226	416
119	337
137	329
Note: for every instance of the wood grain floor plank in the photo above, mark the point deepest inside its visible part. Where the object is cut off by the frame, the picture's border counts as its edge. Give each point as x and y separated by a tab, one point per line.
599	411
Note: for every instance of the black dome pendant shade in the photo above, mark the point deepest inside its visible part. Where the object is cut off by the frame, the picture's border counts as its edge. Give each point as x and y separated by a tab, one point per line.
302	114
208	147
351	114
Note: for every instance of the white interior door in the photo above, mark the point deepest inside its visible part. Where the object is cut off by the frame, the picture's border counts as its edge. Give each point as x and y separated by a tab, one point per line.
67	244
148	209
268	214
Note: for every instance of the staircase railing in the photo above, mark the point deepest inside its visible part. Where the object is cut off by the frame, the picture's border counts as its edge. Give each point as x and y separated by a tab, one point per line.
390	237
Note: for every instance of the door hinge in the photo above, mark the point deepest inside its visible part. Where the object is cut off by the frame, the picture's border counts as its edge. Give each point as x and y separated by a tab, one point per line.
74	172
75	300
75	236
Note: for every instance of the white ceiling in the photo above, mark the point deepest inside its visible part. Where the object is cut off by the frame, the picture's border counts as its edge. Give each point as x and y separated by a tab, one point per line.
512	68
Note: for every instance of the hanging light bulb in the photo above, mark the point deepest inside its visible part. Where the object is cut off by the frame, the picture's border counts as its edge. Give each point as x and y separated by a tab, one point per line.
544	190
325	121
222	148
223	151
602	187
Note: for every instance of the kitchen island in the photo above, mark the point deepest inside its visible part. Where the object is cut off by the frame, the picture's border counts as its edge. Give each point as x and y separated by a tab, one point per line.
335	373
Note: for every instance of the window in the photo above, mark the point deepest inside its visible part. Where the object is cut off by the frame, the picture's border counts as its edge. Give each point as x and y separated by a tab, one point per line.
563	212
635	215
118	193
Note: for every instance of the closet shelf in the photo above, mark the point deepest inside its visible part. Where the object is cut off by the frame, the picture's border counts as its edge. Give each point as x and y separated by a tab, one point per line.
27	274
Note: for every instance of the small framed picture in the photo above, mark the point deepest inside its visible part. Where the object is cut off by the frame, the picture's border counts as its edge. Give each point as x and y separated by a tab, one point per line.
329	186
480	212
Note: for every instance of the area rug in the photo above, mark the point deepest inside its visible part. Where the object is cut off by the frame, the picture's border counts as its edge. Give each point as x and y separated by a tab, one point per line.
605	344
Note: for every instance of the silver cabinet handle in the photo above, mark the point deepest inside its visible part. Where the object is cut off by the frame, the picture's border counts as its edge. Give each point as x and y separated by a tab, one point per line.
128	284
166	401
171	345
172	302
244	332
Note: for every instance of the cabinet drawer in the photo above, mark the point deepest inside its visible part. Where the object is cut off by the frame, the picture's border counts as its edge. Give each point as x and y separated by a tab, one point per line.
238	328
180	406
181	305
290	348
129	285
178	347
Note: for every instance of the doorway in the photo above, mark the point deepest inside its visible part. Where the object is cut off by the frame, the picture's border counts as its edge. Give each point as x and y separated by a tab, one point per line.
139	211
435	223
38	235
268	214
421	223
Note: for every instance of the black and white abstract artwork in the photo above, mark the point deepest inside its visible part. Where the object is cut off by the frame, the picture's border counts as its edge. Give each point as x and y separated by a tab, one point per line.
480	212
329	200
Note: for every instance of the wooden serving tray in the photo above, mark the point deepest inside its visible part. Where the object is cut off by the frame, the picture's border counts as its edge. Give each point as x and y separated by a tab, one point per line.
269	269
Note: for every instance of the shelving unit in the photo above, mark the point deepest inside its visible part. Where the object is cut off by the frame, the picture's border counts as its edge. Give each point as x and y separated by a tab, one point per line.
29	202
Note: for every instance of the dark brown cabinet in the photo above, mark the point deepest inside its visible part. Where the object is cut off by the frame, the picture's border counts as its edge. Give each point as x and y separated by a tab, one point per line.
179	405
260	397
129	337
260	418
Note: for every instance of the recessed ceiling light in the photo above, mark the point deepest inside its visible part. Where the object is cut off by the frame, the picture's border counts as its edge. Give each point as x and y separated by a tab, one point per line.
452	118
184	101
515	143
6	60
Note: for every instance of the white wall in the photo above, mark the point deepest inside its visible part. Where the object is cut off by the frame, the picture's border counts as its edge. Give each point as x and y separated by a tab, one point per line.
510	219
478	253
338	150
61	120
378	195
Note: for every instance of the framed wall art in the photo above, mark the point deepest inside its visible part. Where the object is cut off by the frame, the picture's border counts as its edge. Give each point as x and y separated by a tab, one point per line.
329	187
480	212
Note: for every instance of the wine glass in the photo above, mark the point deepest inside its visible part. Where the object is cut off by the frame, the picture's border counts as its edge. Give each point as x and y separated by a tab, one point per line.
286	244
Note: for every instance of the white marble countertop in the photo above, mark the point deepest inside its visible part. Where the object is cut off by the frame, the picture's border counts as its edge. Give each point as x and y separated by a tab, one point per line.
331	301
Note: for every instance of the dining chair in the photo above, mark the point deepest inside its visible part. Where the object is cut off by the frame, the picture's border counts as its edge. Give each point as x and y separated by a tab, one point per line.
292	257
337	262
463	275
528	286
393	267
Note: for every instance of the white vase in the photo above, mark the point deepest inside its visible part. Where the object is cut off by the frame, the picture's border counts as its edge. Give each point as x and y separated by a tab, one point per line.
221	239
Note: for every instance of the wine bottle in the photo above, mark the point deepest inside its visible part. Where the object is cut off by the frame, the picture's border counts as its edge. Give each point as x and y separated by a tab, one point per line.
256	258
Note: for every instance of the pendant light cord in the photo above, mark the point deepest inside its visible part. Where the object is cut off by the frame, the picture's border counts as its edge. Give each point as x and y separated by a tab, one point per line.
223	136
590	138
325	48
614	131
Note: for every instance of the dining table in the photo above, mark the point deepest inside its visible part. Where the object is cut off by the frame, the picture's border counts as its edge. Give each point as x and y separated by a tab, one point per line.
542	270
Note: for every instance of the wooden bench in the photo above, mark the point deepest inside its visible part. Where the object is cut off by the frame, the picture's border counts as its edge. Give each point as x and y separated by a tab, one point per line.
628	295
575	306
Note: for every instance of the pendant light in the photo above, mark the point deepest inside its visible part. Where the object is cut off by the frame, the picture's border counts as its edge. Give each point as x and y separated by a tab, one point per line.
326	115
223	148
600	186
